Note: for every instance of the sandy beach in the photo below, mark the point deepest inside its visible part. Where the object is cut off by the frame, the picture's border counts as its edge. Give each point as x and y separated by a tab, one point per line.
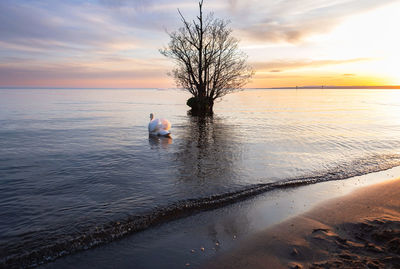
359	230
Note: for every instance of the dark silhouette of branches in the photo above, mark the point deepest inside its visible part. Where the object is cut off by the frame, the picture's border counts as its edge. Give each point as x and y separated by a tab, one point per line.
208	62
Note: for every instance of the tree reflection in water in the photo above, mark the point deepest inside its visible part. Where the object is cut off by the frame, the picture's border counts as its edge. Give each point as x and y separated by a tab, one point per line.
208	155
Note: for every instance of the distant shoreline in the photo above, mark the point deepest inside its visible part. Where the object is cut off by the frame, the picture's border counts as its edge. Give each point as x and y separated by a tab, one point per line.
145	88
340	87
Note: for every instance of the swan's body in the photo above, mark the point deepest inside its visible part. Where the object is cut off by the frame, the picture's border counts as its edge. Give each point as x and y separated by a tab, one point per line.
159	126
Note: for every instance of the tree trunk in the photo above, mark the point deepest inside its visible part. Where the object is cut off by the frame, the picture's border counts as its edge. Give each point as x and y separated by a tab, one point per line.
201	106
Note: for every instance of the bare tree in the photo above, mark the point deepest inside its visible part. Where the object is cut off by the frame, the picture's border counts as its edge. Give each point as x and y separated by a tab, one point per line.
208	62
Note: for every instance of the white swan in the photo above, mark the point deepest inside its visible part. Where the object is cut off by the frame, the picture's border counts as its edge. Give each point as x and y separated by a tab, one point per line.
159	126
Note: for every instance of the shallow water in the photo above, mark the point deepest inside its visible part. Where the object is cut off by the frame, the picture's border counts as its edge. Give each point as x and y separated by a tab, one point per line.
78	168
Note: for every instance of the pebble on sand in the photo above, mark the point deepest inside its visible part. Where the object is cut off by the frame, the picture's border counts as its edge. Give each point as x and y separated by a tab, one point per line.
294	265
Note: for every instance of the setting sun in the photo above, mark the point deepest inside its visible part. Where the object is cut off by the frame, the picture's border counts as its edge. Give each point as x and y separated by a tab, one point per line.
372	35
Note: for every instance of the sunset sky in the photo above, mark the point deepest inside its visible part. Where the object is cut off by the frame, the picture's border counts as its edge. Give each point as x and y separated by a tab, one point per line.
114	44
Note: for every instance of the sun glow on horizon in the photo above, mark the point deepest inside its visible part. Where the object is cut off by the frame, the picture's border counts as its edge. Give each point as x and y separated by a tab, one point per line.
373	35
362	50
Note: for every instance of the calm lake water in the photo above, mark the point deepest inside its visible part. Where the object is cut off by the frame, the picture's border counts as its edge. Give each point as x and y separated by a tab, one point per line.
77	167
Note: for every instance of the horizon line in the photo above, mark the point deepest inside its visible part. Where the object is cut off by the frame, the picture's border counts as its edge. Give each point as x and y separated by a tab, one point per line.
172	88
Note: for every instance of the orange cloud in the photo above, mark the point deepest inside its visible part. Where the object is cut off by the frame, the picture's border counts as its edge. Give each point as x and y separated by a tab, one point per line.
296	64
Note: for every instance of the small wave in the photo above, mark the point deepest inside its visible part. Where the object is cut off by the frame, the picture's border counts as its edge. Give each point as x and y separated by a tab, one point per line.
25	255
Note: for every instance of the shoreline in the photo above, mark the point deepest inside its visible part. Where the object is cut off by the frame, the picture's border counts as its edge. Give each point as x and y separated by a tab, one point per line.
172	243
358	230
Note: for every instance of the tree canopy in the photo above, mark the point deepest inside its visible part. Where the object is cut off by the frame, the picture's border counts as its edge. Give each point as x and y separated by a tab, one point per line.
208	62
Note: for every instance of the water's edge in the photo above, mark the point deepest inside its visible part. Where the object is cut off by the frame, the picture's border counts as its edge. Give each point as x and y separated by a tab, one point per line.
32	256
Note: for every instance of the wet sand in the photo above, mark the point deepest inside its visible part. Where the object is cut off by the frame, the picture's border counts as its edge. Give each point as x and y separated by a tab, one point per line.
359	230
170	245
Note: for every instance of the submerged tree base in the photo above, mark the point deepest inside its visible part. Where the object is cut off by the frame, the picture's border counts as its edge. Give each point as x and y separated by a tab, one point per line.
200	106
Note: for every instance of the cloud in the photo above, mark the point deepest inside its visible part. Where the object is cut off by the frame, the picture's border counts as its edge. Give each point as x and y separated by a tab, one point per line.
276	76
21	23
73	25
89	24
77	76
281	65
293	20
